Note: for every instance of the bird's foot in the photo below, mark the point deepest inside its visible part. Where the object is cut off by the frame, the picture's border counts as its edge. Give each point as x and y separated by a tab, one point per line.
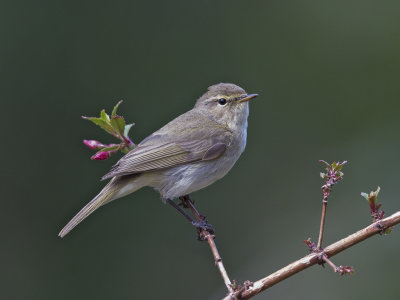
204	229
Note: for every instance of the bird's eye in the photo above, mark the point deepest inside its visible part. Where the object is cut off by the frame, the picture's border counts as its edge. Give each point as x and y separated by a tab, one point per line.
222	101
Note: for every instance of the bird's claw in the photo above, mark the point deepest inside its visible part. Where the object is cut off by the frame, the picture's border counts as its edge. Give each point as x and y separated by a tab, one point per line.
203	227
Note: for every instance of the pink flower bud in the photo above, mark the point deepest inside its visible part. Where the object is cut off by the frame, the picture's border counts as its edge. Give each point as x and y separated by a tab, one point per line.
102	155
92	144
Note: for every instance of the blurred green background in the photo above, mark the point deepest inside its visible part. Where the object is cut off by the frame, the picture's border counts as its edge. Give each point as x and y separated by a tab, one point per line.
328	78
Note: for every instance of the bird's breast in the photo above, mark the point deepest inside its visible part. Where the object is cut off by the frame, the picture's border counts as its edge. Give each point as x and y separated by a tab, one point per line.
238	127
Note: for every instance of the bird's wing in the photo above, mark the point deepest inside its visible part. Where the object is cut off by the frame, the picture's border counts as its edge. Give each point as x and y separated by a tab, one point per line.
164	150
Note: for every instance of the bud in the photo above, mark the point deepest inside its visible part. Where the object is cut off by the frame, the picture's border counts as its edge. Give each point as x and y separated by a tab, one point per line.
93	144
102	155
343	270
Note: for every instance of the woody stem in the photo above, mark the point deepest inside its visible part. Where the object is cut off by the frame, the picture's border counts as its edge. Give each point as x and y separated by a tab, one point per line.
210	239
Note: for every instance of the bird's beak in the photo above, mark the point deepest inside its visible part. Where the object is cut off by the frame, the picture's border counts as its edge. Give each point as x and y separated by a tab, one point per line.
247	97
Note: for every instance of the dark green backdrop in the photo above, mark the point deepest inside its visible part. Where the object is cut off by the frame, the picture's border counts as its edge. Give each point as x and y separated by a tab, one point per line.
328	77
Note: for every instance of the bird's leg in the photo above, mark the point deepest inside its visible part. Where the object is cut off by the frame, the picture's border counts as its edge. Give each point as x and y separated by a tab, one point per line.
183	202
176	206
201	223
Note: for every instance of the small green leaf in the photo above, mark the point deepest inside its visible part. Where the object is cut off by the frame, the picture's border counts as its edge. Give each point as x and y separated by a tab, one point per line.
114	111
373	196
377	191
115	147
100	122
127	128
365	195
338	167
115	126
104	116
126	149
118	123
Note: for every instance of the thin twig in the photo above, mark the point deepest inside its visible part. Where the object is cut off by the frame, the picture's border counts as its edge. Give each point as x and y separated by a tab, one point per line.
321	228
210	239
314	258
329	262
332	176
342	270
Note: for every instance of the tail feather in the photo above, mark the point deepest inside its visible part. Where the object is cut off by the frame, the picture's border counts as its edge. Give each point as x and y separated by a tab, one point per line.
110	192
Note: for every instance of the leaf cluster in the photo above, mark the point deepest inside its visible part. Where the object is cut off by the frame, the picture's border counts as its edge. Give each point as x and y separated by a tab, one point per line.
117	127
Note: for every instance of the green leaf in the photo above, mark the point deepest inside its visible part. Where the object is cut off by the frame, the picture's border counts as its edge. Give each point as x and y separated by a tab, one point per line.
127	128
115	147
115	126
372	196
377	191
338	167
365	195
114	111
106	125
126	149
104	116
118	123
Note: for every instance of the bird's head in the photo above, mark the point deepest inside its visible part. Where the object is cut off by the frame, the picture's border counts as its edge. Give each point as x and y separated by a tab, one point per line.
225	103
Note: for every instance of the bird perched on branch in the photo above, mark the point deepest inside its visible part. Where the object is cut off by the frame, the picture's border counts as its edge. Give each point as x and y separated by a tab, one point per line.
187	154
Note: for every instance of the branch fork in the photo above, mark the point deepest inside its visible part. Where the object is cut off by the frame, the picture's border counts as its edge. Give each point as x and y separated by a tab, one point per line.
313	258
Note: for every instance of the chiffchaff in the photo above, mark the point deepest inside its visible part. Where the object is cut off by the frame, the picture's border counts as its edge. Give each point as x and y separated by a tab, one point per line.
189	153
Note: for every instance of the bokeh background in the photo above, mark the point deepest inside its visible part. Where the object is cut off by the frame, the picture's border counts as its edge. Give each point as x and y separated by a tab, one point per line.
328	77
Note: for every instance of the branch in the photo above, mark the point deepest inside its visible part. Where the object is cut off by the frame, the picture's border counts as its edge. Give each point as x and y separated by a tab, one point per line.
314	258
210	239
116	126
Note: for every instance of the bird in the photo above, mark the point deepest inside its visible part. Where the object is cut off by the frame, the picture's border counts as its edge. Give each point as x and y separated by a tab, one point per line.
189	153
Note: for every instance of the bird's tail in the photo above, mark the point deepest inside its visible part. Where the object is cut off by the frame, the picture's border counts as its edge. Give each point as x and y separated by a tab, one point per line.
116	188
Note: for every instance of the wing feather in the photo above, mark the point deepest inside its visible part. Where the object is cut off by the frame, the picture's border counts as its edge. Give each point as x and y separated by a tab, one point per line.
165	148
150	158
